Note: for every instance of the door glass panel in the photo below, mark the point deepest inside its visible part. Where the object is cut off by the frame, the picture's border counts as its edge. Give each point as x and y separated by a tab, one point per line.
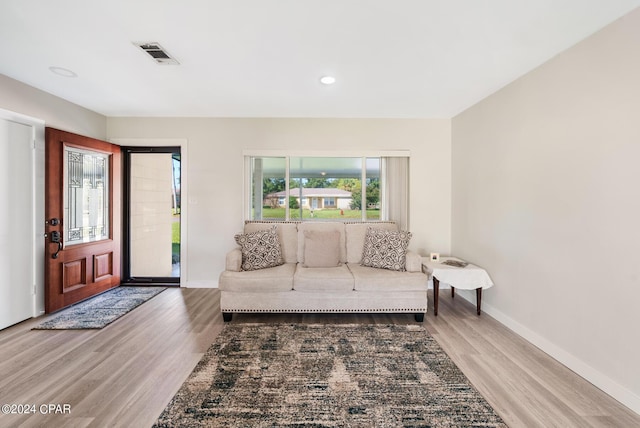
154	219
86	196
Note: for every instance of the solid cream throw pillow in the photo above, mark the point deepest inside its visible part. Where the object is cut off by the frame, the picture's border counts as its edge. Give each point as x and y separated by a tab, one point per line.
385	249
260	249
321	249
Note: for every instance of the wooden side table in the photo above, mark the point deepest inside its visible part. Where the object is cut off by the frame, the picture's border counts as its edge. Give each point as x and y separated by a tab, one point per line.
470	277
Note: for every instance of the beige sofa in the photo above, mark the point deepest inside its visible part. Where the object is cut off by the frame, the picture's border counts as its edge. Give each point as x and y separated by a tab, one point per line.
348	287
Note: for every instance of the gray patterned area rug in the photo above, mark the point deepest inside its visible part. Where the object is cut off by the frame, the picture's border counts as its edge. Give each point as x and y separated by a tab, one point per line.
101	310
301	375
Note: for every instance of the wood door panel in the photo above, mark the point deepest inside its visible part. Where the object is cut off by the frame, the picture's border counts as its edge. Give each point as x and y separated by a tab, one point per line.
74	275
82	270
102	266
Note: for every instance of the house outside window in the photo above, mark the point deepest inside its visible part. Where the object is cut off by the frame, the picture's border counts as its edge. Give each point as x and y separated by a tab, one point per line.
311	188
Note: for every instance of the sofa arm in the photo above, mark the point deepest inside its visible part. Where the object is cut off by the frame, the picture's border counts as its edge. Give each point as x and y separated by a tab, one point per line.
234	260
414	262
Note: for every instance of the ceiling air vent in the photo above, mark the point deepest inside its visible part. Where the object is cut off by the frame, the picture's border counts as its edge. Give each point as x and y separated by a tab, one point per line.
157	53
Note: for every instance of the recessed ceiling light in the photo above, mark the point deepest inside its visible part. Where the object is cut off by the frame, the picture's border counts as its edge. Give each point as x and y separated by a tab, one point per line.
64	72
327	80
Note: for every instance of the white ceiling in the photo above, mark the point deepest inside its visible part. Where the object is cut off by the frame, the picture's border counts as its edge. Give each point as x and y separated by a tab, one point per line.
264	58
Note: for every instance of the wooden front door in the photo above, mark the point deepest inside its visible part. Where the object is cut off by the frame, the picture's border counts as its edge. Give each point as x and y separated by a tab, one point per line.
83	218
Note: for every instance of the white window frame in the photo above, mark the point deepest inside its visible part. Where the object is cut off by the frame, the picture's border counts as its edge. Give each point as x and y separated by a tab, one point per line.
287	154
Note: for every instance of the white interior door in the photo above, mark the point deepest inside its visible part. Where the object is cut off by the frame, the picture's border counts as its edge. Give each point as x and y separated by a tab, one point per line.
17	219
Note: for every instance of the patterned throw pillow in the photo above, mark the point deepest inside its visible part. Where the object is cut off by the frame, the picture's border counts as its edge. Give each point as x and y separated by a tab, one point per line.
260	249
385	249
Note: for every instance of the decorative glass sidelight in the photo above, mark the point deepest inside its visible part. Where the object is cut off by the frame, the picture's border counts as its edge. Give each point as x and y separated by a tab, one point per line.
86	196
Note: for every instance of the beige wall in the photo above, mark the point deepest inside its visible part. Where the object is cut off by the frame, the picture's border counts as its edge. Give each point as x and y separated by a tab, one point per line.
545	195
215	172
57	113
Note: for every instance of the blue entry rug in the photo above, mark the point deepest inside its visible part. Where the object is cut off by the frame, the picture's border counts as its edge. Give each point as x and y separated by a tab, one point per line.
101	310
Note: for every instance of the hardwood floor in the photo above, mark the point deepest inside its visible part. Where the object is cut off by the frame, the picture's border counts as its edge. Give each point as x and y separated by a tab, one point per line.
125	374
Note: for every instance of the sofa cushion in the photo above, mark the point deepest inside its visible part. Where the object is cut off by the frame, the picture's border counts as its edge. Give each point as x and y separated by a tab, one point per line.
323	279
287	234
279	278
385	249
355	233
260	249
321	248
322	227
374	279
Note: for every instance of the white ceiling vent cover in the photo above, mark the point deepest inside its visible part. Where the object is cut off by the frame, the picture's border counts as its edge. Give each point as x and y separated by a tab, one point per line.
157	53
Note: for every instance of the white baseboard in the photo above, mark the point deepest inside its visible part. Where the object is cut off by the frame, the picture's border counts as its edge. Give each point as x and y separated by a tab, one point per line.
200	284
597	378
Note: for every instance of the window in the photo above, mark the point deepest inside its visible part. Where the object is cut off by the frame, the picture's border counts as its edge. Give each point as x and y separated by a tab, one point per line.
86	198
317	188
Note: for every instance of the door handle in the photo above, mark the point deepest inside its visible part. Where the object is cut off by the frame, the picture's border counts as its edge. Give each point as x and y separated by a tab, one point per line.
56	238
55	255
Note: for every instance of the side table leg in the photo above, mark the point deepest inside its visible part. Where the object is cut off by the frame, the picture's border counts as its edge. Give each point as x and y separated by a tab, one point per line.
436	292
478	298
453	292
